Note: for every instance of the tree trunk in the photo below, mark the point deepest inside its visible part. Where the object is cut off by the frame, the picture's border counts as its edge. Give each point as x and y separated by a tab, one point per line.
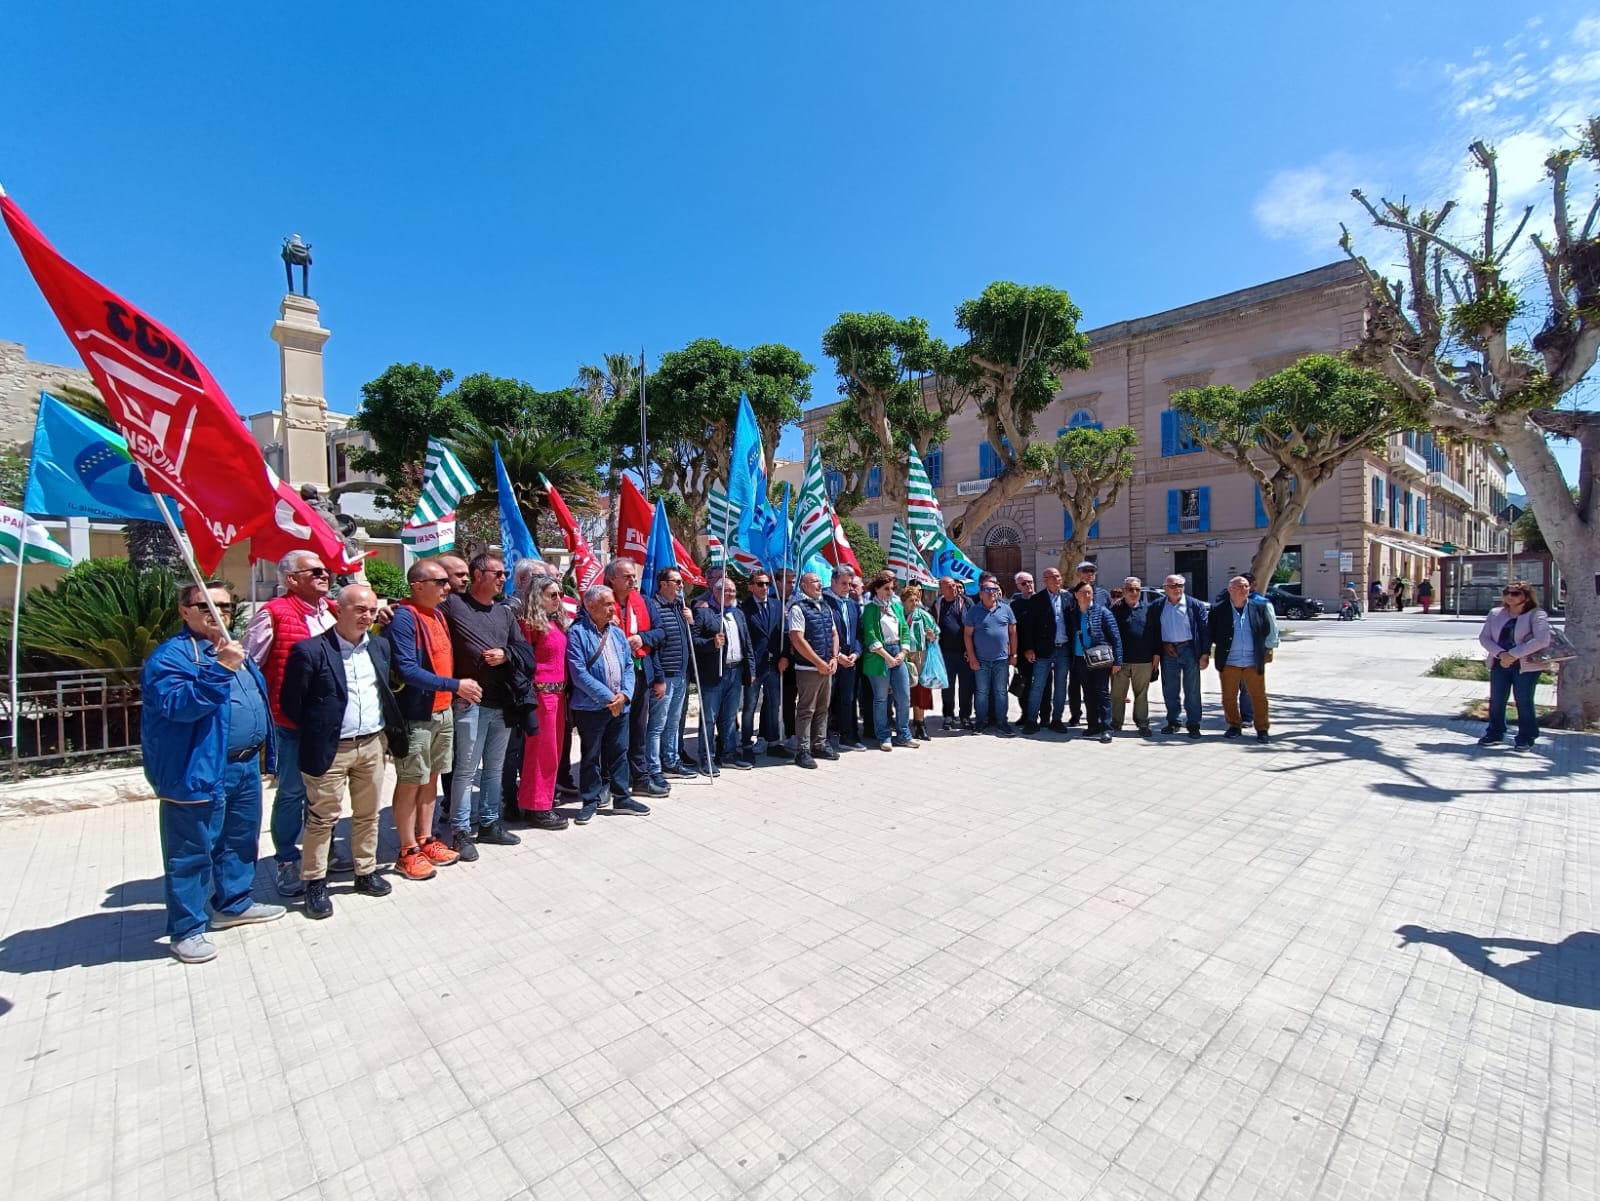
150	545
1270	548
1001	489
1072	554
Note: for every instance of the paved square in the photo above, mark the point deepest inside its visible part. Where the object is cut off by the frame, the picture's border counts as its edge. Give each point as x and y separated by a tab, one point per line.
986	969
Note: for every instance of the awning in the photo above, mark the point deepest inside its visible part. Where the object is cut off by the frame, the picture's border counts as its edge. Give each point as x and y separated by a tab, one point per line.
1410	548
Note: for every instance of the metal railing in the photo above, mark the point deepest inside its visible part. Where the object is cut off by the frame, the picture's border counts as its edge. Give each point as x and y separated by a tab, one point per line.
67	718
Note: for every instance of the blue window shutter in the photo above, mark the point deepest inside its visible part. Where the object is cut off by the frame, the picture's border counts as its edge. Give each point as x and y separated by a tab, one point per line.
1174	502
872	530
985	461
1422	515
1205	508
834	481
874	486
933	464
1066	525
1169	435
1062	430
1261	510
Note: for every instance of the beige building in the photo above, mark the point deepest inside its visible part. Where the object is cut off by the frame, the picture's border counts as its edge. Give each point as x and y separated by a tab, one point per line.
1189	511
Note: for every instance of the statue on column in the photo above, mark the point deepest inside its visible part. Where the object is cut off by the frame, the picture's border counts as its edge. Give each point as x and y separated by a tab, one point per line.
340	523
297	254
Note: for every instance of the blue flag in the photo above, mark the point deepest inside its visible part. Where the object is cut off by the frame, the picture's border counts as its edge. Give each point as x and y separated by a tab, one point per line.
659	553
747	476
514	537
779	534
82	469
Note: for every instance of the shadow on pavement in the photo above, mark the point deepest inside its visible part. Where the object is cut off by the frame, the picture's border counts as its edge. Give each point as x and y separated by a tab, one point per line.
1560	973
89	941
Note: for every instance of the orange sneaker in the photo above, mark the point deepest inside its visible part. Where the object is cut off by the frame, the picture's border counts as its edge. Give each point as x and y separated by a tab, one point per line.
438	852
414	864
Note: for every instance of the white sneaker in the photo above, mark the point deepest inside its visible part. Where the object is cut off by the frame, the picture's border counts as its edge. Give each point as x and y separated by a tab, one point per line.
256	913
197	948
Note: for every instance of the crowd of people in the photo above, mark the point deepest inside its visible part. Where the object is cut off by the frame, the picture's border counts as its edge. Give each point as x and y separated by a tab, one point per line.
483	685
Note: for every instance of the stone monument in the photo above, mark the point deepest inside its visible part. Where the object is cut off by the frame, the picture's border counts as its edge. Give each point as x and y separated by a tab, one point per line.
300	338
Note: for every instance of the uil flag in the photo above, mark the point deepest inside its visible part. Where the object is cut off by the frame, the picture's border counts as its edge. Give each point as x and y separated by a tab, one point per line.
515	540
747	477
924	518
295	525
904	561
586	569
445	483
947	559
181	429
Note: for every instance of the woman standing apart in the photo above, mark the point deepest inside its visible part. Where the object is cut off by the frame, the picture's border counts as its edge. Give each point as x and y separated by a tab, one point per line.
544	623
883	633
922	632
1095	628
1510	634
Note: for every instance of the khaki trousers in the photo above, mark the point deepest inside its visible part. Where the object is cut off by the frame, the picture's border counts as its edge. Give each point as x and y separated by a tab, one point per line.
1254	683
1138	675
813	691
360	766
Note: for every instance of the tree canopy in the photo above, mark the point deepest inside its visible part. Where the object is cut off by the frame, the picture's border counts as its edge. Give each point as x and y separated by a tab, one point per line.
1086	470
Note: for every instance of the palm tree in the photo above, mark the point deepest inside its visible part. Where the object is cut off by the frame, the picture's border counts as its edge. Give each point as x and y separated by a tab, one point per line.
150	543
527	454
607	387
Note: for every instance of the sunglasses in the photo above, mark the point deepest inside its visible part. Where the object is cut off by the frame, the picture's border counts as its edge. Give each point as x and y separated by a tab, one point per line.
499	575
221	606
760	584
434	579
988	588
315	572
1512	592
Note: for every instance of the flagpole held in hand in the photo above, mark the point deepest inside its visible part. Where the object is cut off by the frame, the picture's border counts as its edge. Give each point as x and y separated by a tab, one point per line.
188	559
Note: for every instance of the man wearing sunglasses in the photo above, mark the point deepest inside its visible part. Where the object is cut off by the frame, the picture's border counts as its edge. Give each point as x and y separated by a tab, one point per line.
204	726
302	611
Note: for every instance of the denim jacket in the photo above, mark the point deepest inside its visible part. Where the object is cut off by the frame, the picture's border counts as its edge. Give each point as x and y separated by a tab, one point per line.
588	688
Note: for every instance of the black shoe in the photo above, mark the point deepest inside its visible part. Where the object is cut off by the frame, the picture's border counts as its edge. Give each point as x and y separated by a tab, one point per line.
1171	727
1194	731
317	903
779	751
339	862
654	789
741	763
921	731
373	885
546	819
566	793
1262	736
461	844
804	759
1486	740
627	807
1030	727
681	771
496	835
1006	730
1105	735
1058	727
1234	732
1146	732
828	753
1077	720
586	813
1516	746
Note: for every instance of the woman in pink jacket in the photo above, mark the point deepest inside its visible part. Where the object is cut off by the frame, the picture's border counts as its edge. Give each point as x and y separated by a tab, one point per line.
1510	634
544	622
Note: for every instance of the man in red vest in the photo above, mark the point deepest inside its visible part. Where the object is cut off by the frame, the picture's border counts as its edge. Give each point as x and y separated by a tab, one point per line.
303	611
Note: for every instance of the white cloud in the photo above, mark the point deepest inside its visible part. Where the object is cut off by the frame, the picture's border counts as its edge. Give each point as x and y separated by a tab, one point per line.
1307	203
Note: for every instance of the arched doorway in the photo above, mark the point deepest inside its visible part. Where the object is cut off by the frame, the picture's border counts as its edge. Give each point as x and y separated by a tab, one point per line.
1002	552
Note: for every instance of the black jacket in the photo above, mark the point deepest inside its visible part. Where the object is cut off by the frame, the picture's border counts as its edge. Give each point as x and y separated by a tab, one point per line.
846	621
523	711
1221	631
707	655
672	653
314	696
950	616
767	635
1036	622
1140	630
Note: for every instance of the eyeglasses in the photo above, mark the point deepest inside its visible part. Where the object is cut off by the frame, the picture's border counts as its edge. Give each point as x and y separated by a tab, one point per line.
1512	592
760	583
314	572
434	579
499	575
221	606
988	588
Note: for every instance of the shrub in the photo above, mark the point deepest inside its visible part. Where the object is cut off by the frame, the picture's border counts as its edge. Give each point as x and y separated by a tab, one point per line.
387	580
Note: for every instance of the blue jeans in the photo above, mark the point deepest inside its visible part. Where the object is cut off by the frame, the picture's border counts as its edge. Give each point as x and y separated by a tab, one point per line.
993	677
289	805
898	681
720	703
1057	667
1512	682
480	761
1182	672
765	692
603	761
666	722
1096	685
210	847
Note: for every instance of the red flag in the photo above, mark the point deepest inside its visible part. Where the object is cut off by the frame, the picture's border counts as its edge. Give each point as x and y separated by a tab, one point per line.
586	569
838	551
181	428
686	566
296	526
634	514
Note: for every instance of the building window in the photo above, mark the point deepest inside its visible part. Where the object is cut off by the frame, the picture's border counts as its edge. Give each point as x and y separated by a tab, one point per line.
1177	437
1188	510
1422	516
874	484
835	484
1082	419
872	528
989	463
1394	506
933	464
1377	500
341	463
1407	517
1067	525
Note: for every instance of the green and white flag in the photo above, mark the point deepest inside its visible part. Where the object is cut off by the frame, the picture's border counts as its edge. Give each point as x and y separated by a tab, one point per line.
445	483
904	561
722	523
22	539
430	538
923	515
813	515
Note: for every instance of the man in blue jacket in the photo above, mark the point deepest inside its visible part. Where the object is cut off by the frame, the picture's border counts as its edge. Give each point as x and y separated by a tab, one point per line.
1181	625
600	676
204	725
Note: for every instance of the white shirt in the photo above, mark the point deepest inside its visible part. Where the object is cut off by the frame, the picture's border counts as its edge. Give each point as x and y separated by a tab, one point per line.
363	714
734	648
1058	602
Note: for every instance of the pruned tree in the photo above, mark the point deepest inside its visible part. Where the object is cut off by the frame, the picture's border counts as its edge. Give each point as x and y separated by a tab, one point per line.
1019	340
1086	470
1449	333
1291	432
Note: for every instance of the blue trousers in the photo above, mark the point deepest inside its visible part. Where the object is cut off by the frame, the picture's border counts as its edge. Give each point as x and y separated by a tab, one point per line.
1182	672
209	848
895	681
1057	667
666	723
721	702
480	761
765	693
603	755
1512	682
993	700
289	804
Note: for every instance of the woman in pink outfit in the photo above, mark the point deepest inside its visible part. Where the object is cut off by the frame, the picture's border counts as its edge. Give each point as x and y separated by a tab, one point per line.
545	624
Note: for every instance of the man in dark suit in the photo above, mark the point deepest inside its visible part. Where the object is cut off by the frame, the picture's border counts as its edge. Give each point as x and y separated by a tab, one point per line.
336	691
763	614
722	650
1046	623
843	723
949	611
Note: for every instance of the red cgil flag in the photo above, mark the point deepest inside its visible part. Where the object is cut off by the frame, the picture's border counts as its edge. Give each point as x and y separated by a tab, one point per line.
586	569
181	429
839	552
296	526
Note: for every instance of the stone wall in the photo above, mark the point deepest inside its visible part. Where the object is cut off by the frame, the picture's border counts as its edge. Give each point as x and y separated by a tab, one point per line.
21	381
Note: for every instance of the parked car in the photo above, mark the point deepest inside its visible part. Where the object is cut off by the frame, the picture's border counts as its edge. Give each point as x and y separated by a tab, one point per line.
1292	605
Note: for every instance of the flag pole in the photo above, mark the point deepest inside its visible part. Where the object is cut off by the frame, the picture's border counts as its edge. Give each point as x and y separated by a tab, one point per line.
700	705
188	557
644	431
16	620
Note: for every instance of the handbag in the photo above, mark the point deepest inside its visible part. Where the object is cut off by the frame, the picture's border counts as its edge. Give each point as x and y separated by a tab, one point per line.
1100	655
1559	651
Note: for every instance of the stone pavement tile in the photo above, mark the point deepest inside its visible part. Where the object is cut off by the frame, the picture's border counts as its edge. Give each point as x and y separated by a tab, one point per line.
60	1144
694	1179
281	1179
649	1149
537	1132
751	1152
949	1164
412	1096
593	1178
1279	1153
1365	1171
185	1174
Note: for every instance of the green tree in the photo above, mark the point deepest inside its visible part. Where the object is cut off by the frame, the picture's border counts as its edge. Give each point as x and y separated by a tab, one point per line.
387	580
527	454
607	386
401	410
1019	340
1086	471
1500	360
1293	430
899	386
105	615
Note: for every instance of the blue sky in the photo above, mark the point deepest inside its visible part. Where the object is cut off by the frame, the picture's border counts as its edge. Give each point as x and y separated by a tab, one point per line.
518	188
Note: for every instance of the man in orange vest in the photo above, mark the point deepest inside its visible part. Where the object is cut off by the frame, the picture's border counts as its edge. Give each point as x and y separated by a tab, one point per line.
303	611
